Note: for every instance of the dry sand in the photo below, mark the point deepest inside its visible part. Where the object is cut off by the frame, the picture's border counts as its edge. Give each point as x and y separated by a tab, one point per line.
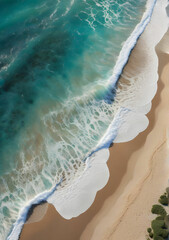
139	172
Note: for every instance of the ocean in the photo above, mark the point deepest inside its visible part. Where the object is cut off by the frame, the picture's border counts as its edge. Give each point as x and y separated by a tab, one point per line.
60	62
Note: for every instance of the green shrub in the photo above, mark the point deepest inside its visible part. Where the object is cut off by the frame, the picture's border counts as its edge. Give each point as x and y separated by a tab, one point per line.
163	200
166	220
151	234
159	210
157	224
149	230
159	228
158	238
160	218
165	234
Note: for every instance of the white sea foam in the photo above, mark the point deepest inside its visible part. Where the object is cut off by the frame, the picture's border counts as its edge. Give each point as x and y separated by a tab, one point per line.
77	197
130	119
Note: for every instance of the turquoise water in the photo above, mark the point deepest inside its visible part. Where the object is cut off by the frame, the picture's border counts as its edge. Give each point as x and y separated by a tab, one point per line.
56	58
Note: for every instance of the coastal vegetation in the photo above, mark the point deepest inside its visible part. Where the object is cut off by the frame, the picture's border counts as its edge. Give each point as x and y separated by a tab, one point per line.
159	229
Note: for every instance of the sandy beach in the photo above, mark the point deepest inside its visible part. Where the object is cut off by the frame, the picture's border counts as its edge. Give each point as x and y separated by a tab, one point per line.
139	172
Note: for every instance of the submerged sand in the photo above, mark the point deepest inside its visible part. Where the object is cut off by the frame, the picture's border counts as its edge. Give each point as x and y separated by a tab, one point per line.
139	172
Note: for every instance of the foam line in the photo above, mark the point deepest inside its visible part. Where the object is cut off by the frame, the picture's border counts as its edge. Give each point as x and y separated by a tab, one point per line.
130	43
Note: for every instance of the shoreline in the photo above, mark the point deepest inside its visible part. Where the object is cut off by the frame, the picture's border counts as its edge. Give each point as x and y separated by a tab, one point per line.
86	226
53	223
36	212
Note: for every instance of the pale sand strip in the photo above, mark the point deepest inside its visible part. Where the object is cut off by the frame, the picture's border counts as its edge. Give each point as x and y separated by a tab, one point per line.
138	175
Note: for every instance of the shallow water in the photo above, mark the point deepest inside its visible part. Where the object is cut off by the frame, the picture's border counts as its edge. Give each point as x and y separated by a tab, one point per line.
56	60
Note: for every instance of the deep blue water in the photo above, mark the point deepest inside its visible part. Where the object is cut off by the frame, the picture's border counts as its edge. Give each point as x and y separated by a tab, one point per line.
56	58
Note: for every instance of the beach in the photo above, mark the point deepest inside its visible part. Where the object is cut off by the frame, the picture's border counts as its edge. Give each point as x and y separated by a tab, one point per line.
139	171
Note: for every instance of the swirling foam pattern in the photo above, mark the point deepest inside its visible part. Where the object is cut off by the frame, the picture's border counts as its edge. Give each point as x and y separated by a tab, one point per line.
55	105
